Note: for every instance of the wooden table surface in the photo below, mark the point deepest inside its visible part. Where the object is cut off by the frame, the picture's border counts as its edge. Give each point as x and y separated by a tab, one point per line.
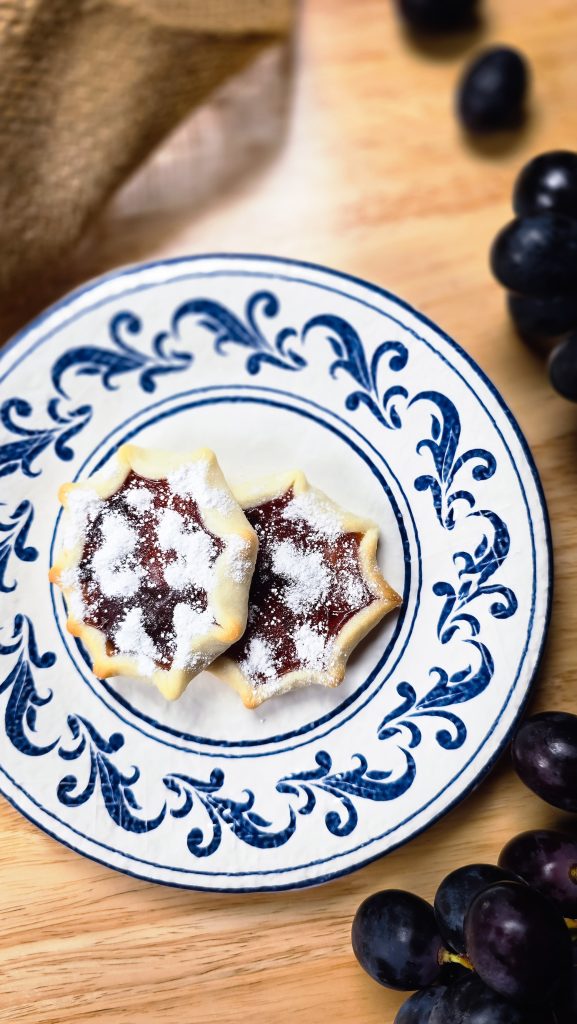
373	178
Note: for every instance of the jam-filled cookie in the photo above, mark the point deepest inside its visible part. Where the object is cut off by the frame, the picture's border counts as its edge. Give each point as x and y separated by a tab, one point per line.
316	592
156	566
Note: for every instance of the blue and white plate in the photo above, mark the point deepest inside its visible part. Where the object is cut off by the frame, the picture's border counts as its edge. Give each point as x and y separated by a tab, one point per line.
274	364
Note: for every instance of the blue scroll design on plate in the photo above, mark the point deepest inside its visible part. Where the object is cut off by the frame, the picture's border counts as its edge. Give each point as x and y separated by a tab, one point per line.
24	700
13	537
19	455
343	787
351	359
451	479
116	787
238	815
107	363
229	329
123	358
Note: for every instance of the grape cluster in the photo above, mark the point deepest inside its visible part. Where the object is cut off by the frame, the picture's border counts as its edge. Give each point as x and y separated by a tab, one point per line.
494	949
535	258
499	946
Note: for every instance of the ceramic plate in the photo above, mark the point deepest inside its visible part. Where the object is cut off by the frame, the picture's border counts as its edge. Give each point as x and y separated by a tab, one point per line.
273	364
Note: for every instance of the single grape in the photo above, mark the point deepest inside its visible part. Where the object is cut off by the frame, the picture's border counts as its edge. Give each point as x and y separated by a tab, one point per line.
545	757
438	15
539	319
455	895
395	939
518	942
471	1002
537	255
563	367
419	1007
547	184
547	861
492	92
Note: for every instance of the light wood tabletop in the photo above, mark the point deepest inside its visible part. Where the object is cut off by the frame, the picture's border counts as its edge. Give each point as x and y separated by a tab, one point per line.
370	175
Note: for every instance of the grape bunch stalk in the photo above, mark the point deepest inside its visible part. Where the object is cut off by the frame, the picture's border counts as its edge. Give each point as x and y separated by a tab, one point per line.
499	946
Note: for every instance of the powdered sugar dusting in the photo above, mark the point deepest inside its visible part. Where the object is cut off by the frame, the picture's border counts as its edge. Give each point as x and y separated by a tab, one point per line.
139	498
317	512
355	590
82	507
69	580
311	646
239	559
192	481
113	563
195	552
132	640
307	574
189	625
259	661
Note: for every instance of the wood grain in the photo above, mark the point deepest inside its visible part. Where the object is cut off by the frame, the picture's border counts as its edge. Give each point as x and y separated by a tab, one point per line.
374	178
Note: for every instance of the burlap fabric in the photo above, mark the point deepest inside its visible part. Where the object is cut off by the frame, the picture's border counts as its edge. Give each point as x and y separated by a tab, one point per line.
87	89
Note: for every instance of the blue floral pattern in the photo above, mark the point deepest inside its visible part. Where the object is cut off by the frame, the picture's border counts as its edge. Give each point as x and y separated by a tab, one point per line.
24	699
116	787
13	537
451	479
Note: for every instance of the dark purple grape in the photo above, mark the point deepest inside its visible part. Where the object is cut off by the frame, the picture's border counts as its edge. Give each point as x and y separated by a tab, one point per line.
395	939
537	255
563	368
518	942
539	319
547	861
438	15
545	757
419	1007
471	1002
547	184
492	92
566	1005
455	895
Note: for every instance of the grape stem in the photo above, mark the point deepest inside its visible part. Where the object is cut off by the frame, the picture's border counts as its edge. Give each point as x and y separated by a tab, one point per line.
446	957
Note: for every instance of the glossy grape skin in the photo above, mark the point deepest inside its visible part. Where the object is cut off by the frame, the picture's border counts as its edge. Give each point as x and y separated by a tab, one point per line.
491	94
544	755
547	184
455	895
547	861
518	942
537	255
419	1007
395	939
438	15
563	368
539	319
470	1001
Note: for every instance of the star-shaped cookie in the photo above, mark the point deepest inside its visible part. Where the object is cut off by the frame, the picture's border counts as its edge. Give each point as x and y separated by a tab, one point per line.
316	592
156	565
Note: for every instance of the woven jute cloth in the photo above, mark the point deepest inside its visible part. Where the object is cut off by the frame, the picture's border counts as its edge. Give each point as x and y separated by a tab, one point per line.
88	88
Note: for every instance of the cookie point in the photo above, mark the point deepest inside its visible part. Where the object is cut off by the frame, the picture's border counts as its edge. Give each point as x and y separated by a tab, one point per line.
170	686
63	492
54	574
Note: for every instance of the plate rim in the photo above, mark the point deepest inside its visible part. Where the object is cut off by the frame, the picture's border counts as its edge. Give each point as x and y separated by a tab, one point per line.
137	268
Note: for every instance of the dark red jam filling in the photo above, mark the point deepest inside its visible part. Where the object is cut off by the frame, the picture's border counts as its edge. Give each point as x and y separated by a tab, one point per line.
269	617
154	596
